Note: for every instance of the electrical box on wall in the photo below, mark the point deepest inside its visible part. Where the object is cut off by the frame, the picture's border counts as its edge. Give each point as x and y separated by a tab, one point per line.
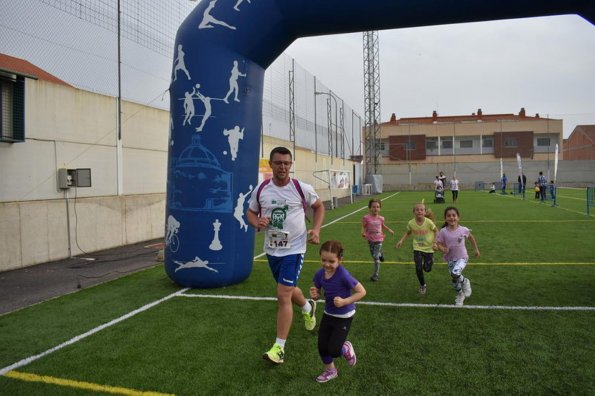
74	178
65	178
82	177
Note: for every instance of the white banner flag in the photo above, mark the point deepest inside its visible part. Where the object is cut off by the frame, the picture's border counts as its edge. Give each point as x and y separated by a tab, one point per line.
520	166
555	164
501	169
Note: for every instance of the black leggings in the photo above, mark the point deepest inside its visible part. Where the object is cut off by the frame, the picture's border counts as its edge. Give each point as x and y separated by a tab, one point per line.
423	262
332	334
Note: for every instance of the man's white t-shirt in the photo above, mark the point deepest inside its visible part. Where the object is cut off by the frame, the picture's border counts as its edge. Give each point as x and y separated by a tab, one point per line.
286	233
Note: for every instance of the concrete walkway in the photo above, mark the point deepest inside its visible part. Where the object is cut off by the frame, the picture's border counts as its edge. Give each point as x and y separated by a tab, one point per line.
34	284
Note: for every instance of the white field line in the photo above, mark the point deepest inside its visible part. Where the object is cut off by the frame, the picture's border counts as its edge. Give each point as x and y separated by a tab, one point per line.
560	207
512	264
339	219
403	305
570	197
97	329
492	307
228	297
548	204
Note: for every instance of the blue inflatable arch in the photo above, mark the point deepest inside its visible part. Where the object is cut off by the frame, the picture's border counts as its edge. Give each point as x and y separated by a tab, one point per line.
221	52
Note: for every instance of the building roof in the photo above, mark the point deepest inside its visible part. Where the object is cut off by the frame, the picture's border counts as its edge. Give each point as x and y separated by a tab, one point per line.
587	130
24	68
473	117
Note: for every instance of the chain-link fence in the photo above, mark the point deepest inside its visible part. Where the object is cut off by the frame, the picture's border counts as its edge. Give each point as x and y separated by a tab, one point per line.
420	176
77	41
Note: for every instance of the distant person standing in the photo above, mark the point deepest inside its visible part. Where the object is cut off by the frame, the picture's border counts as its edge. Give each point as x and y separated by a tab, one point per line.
438	184
442	178
454	188
537	190
553	192
504	180
542	181
522	179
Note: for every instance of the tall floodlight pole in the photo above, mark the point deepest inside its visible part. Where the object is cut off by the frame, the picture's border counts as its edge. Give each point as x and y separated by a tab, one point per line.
372	102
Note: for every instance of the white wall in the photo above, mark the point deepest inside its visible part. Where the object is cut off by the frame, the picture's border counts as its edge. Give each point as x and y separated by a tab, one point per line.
34	232
72	128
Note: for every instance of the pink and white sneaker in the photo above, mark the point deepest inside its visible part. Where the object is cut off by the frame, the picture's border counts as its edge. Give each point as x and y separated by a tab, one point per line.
327	375
349	354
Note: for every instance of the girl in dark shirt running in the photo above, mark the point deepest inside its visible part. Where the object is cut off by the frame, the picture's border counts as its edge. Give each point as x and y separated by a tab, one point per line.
341	291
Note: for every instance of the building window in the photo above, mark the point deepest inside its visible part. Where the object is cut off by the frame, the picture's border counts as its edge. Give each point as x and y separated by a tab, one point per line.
431	144
12	109
382	147
543	142
466	144
447	143
487	142
510	143
410	146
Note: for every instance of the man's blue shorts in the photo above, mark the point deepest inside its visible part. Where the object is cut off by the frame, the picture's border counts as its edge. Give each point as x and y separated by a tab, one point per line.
286	269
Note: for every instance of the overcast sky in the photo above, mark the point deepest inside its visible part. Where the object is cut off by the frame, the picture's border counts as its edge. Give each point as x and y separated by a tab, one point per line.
546	65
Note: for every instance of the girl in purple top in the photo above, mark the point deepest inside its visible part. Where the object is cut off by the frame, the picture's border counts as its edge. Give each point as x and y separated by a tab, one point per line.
373	230
341	291
451	241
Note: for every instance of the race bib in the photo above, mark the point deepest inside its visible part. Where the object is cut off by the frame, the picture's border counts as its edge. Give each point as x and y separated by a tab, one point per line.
278	239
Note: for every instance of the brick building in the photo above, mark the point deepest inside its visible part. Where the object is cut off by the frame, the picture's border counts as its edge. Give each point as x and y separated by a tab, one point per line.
471	138
580	145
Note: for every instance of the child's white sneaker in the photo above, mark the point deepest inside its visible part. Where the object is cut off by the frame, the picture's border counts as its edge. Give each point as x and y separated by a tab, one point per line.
459	299
467	287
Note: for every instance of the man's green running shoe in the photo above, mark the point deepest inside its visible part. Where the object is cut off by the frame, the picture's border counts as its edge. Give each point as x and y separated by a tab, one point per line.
310	318
275	354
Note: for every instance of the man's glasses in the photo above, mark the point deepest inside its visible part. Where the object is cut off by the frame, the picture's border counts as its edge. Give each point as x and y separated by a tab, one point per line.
279	163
